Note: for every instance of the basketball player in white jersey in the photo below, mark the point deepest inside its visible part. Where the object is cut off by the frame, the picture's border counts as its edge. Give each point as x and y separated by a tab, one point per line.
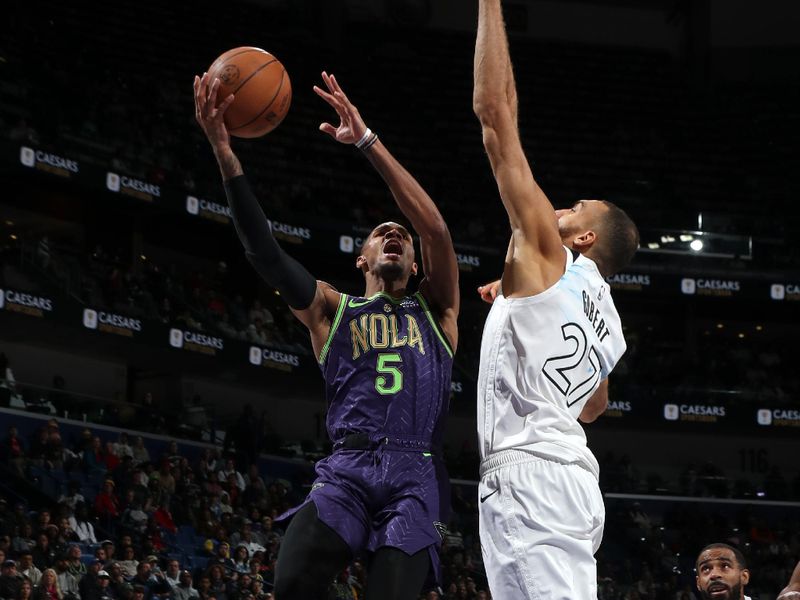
552	337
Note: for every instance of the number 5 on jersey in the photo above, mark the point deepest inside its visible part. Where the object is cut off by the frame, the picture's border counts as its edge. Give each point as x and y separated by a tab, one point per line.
390	380
577	373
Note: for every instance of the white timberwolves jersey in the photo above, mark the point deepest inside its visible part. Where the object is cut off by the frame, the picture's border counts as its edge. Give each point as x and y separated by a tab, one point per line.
542	358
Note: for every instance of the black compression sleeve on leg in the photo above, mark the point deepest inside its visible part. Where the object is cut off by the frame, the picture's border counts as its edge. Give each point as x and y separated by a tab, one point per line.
297	286
394	575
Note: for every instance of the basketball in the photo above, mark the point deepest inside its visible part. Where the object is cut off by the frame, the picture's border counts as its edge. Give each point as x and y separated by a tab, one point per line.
261	87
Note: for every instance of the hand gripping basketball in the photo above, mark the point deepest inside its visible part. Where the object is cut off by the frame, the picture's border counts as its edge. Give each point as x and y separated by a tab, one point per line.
208	114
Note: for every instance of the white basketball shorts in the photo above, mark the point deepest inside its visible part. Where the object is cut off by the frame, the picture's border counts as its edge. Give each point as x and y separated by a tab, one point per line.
540	524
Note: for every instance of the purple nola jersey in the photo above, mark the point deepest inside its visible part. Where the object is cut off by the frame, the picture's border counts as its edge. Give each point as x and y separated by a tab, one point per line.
387	367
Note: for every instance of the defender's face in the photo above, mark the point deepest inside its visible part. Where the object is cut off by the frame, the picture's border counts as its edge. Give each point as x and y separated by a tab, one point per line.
388	250
719	576
583	216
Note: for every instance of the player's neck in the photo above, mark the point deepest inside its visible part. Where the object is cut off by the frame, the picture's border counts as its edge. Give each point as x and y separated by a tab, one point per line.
396	289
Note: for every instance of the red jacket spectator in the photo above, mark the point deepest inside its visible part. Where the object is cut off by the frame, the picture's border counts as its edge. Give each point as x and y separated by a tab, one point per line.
106	503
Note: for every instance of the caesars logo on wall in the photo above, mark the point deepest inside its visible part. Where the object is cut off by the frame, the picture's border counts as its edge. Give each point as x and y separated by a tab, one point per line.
778	417
784	291
208	210
468	262
130	186
25	304
49	162
110	323
195	342
701	413
618	409
629	282
349	244
710	287
273	359
290	233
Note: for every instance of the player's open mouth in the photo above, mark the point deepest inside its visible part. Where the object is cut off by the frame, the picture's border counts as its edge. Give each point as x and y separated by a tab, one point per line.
718	590
393	248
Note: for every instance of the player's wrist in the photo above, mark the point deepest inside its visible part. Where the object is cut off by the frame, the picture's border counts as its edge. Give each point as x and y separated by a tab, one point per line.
367	140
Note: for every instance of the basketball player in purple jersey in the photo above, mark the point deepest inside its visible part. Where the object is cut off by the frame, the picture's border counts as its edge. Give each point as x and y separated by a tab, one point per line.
386	358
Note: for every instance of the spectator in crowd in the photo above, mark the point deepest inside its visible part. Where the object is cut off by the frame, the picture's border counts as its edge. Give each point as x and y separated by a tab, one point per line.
173	572
118	585
75	565
73	495
67	582
9	579
12	451
89	585
48	588
25	591
106	503
230	471
141	454
81	524
44	554
128	563
23	541
27	569
184	590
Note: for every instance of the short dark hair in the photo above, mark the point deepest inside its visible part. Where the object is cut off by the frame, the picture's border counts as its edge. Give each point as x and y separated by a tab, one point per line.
619	240
740	559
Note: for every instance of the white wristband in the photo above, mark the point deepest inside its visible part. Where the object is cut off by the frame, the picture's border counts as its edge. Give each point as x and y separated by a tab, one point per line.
370	142
364	138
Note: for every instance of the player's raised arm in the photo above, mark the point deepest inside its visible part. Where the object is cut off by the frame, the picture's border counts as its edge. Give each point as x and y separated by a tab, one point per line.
313	303
533	220
438	256
792	591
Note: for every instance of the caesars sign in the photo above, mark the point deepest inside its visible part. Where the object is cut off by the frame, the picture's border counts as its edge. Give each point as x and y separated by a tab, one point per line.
195	342
25	304
111	323
785	291
130	186
629	282
710	287
699	413
206	209
778	417
273	359
290	233
49	162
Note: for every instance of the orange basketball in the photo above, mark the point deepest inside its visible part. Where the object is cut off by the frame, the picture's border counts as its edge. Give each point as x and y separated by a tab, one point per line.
261	87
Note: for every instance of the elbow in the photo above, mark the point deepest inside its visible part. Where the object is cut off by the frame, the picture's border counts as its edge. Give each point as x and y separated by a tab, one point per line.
487	107
592	411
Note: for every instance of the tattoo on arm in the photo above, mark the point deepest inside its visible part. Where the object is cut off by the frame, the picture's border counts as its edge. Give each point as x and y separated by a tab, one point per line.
229	165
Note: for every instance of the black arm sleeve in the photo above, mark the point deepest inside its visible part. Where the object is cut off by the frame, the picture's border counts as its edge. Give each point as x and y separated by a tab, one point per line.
297	286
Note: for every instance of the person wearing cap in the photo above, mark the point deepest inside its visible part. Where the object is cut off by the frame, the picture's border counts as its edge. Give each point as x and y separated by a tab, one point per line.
89	585
109	547
104	580
184	590
9	579
26	568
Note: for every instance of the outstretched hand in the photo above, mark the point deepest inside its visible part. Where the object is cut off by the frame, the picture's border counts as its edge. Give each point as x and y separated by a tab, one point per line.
351	126
489	291
208	114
